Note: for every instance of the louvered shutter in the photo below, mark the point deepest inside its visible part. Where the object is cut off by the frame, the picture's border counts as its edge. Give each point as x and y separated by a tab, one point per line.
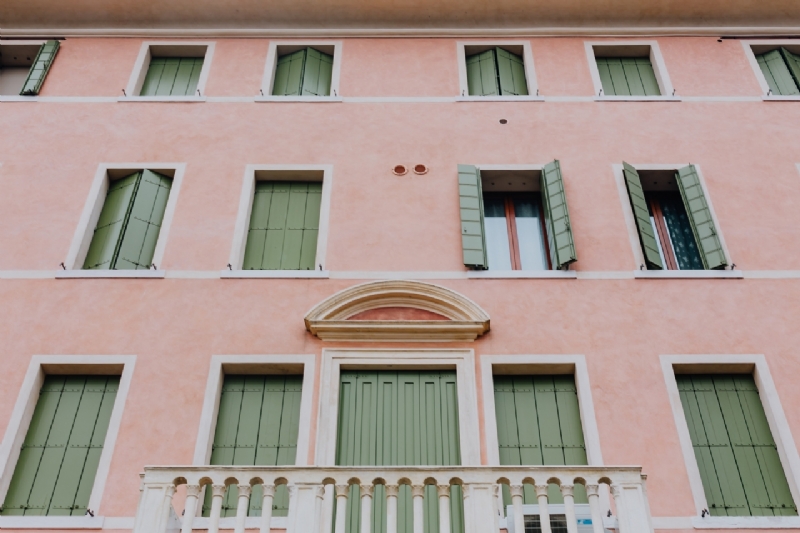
289	74
511	73
317	73
138	242
705	232
473	239
40	67
776	72
556	217
641	216
482	74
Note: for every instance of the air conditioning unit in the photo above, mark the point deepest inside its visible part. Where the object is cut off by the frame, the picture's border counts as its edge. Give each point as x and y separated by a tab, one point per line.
558	519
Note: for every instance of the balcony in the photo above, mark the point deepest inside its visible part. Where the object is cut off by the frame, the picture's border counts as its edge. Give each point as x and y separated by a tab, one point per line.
314	491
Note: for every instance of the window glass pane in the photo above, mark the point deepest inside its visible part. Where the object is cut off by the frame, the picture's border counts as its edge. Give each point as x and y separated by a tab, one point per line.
497	243
680	233
529	233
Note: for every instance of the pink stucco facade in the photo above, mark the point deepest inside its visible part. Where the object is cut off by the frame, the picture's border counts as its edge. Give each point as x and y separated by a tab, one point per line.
398	106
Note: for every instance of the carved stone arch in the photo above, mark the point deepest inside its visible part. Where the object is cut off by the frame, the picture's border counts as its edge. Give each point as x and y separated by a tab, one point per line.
397	310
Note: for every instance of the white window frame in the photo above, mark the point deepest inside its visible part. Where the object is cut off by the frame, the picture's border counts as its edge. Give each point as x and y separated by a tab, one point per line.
656	59
242	226
268	79
19	422
530	72
178	48
82	239
463	361
762	81
755	365
257	365
17	42
633	234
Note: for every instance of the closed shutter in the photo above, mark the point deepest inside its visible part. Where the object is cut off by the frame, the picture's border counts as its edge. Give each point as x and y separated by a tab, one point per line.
41	66
257	424
400	418
641	215
511	73
556	217
473	239
57	465
482	74
539	423
289	74
735	452
776	71
317	73
627	76
705	232
172	76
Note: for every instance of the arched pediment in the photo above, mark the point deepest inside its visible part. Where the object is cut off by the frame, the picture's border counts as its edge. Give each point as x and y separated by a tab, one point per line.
397	311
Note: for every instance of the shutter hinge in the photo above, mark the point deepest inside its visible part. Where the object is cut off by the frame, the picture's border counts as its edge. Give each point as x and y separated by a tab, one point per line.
90	512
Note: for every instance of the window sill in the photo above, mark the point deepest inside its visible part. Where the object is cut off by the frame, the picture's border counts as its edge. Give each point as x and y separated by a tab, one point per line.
688	274
277	274
746	522
18	98
638	99
99	274
777	98
522	274
51	522
499	99
303	99
173	99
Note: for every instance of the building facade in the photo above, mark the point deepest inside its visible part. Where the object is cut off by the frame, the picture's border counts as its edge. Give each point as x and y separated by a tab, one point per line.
386	269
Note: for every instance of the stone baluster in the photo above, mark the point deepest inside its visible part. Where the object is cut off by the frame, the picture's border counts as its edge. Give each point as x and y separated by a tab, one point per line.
217	493
593	493
418	498
391	508
366	508
544	511
318	501
242	506
568	491
616	492
327	509
516	500
169	492
266	508
190	507
342	491
444	507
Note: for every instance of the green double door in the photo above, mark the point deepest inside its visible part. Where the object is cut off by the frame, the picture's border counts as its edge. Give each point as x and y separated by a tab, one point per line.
400	418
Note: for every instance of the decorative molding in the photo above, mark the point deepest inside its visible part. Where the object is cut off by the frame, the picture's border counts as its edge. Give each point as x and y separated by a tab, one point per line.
328	320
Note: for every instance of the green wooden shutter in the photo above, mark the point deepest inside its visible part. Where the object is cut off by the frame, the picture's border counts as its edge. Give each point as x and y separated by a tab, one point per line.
705	232
556	217
40	67
317	73
776	71
482	74
793	62
138	241
627	76
257	424
735	452
111	223
511	73
641	215
473	239
172	76
399	418
289	74
58	461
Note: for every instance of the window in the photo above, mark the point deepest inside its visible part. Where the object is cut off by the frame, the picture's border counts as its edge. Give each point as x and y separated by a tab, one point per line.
56	468
171	70
128	227
515	219
23	67
673	219
172	76
781	69
302	70
628	70
495	72
736	454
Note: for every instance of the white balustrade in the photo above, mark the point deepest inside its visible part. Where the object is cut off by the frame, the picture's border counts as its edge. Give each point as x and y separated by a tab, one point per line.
314	491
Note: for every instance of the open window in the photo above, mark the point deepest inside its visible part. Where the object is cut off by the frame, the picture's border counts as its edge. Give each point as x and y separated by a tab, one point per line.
628	70
302	70
515	219
24	66
779	66
496	69
171	70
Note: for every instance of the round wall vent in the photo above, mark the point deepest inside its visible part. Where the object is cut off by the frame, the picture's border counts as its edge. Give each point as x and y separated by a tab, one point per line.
420	169
399	170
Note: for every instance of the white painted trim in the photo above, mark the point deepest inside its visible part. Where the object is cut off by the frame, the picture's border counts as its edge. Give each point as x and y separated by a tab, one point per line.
13	98
52	522
638	99
656	59
778	424
95	274
688	274
627	212
216	374
82	239
164	99
21	42
773	98
462	360
142	63
26	403
500	99
746	522
522	274
527	58
236	258
301	99
751	59
268	78
274	274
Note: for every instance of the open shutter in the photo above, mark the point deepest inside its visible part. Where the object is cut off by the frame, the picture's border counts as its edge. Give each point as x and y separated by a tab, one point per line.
482	74
793	62
511	73
705	232
556	217
289	74
144	222
473	239
40	68
111	223
641	216
776	71
317	73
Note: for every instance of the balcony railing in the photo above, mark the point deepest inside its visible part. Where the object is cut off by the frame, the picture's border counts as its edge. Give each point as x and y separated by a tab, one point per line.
314	491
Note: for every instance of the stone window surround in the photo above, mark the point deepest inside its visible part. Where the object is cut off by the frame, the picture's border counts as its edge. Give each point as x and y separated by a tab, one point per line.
272	64
173	48
656	59
527	58
748	44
